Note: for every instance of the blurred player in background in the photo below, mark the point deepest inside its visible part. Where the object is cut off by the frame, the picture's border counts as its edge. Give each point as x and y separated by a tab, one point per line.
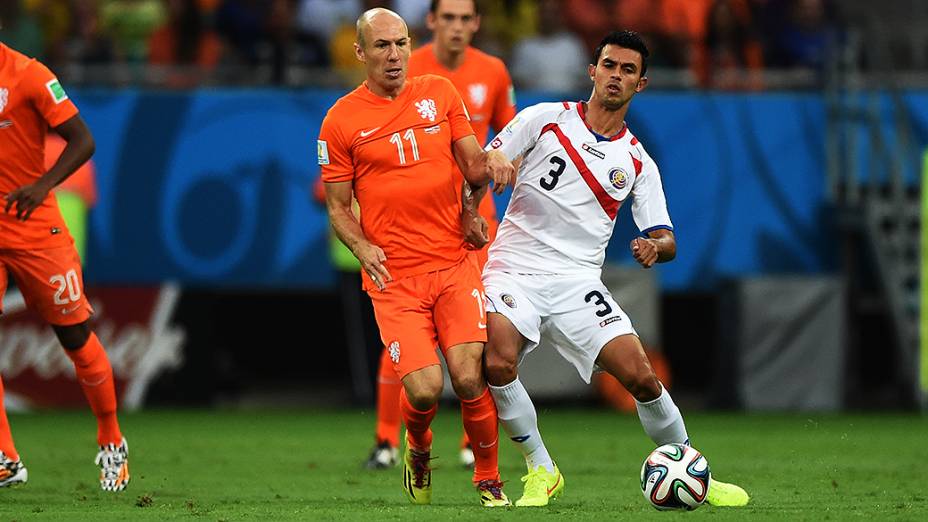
37	250
393	143
484	84
579	163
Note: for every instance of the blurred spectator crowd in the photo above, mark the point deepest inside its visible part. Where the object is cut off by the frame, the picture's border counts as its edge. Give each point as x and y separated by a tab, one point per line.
722	44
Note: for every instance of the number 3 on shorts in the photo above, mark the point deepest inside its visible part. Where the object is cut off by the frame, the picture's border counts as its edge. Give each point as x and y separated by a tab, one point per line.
70	282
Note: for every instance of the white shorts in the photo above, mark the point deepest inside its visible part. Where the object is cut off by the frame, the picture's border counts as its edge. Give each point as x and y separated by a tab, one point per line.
576	314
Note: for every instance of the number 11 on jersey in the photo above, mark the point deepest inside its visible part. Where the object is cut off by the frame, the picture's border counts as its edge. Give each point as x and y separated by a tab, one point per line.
409	136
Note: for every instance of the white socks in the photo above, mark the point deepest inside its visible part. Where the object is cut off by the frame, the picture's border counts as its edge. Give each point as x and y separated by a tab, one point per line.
518	417
661	420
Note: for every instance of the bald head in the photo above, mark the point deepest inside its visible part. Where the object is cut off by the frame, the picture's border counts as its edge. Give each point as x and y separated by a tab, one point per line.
383	47
375	17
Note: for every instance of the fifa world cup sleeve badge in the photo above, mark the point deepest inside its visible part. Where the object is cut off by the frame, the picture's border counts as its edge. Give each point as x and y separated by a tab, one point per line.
322	152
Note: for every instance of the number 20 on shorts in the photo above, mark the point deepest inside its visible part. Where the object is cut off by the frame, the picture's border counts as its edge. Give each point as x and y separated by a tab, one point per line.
70	283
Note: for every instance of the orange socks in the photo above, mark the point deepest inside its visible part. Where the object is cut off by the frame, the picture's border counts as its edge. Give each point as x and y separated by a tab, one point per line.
95	376
6	436
482	427
388	402
417	423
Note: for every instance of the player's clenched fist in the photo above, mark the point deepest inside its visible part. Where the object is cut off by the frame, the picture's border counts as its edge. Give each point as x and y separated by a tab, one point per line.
475	229
645	251
26	199
372	261
500	170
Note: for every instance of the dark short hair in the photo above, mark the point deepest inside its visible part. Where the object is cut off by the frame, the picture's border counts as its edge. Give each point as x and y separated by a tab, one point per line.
627	40
433	7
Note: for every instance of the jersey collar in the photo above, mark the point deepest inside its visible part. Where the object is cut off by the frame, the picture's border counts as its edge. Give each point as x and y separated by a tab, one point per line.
582	111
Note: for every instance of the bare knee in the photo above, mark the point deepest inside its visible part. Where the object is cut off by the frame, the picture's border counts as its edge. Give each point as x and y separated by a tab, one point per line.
644	386
424	394
500	369
470	385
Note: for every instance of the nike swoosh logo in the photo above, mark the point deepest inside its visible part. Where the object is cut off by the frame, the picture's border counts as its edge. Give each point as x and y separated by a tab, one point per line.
555	484
481	325
365	134
66	311
485	446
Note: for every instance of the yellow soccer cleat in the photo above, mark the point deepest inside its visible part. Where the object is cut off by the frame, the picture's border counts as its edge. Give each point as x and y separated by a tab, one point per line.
723	494
541	487
417	476
491	494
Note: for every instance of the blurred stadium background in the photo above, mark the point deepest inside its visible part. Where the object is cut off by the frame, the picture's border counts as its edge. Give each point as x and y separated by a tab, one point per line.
791	137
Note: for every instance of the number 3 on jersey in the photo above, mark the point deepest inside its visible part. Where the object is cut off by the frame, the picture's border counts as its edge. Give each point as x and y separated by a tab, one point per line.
409	136
555	173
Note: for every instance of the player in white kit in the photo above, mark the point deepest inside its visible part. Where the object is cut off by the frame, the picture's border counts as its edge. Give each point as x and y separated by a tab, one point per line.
579	163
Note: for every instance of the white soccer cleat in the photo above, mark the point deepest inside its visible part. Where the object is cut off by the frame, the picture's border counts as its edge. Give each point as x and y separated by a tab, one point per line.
12	472
467	457
382	456
114	466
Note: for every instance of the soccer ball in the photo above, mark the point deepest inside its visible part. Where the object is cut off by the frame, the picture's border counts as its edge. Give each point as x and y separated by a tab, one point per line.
675	476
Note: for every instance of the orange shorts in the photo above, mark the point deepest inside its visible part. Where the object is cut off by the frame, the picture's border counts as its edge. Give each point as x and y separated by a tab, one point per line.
51	283
444	308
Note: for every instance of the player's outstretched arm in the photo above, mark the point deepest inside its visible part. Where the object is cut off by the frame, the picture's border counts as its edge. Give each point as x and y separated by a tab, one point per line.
338	201
480	167
80	147
659	247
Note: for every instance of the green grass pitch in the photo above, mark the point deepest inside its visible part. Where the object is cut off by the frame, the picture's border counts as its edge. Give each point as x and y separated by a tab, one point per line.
305	465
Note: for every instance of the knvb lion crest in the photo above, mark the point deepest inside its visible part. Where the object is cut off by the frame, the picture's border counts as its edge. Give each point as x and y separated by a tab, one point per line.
394	350
478	94
427	109
4	98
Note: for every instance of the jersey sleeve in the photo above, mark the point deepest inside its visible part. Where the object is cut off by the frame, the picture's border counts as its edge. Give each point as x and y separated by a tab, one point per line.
48	96
649	206
458	117
332	153
520	134
504	107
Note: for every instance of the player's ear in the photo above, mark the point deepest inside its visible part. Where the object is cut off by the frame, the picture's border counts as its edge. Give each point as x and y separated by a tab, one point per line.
642	83
476	23
430	20
359	53
591	71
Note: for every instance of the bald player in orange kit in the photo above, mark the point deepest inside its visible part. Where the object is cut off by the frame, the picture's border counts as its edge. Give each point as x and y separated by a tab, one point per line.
486	88
393	144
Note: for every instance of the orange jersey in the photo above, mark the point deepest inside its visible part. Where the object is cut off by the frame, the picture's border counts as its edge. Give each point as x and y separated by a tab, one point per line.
482	81
398	154
31	101
484	84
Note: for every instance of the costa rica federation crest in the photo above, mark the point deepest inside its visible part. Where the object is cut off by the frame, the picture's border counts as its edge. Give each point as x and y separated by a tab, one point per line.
618	178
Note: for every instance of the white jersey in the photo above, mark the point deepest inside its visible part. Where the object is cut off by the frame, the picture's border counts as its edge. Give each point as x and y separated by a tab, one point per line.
569	188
